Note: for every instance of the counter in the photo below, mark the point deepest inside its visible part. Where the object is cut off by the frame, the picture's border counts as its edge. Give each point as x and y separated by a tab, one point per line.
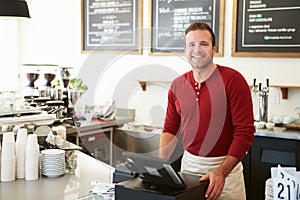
279	132
99	124
68	186
269	148
122	116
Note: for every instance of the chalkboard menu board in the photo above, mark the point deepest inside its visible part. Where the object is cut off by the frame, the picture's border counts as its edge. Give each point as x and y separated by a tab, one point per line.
266	28
170	18
111	26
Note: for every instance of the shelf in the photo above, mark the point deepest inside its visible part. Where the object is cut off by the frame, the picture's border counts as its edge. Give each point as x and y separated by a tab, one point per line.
143	83
284	89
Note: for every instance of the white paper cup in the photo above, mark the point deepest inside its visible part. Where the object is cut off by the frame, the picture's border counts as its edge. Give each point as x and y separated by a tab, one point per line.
31	141
8	136
22	135
8	150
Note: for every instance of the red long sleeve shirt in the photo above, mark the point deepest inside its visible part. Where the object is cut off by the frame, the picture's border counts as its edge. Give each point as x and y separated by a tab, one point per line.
215	119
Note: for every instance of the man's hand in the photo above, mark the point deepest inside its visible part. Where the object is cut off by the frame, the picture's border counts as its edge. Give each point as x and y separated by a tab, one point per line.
217	178
216	185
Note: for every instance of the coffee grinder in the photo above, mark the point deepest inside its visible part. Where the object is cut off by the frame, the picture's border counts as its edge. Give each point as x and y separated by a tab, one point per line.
32	74
65	76
49	89
68	99
32	77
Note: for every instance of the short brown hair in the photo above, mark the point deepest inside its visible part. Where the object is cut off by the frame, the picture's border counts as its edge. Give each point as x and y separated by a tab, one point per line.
201	26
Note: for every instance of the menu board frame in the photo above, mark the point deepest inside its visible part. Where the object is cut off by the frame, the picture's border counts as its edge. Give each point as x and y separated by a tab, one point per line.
135	48
237	28
219	23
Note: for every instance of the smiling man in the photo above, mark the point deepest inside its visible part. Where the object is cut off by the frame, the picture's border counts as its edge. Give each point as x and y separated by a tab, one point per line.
211	107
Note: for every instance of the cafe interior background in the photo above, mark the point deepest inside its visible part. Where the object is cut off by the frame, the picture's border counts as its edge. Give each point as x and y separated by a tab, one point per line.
53	36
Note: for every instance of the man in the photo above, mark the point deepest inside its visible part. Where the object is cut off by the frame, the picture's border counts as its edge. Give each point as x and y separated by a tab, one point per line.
211	107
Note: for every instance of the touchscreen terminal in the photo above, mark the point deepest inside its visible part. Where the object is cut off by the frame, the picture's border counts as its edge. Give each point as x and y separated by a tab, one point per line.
153	169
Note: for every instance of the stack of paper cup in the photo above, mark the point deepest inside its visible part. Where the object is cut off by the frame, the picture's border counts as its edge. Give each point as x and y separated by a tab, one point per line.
8	157
0	160
21	152
32	158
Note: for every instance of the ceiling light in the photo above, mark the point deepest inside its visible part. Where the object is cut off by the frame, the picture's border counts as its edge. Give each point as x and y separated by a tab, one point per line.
14	9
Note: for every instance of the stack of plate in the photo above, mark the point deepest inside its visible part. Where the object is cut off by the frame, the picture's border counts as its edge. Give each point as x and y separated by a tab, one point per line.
268	189
53	162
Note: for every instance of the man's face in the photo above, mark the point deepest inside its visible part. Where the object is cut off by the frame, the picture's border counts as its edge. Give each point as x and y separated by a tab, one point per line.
198	48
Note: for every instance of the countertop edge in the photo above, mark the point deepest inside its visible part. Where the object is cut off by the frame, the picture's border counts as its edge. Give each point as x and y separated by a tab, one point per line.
279	132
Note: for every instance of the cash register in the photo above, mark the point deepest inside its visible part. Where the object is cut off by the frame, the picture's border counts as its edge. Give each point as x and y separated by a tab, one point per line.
158	180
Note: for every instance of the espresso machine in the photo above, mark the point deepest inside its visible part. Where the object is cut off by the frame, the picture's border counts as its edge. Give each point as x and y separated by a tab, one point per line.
263	97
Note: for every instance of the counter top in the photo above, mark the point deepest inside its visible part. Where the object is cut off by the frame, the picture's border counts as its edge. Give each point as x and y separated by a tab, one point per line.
73	186
279	132
98	124
68	186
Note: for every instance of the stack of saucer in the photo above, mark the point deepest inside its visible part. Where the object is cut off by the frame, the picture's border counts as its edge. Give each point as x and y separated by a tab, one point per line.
53	162
268	189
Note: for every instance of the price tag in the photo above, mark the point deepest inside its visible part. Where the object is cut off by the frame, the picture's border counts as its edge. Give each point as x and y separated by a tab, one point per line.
282	189
285	185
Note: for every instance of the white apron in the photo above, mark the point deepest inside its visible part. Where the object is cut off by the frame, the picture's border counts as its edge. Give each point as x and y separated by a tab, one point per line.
234	188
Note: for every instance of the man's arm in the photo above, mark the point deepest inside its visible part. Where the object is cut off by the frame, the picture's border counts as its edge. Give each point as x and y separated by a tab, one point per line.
167	144
217	178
